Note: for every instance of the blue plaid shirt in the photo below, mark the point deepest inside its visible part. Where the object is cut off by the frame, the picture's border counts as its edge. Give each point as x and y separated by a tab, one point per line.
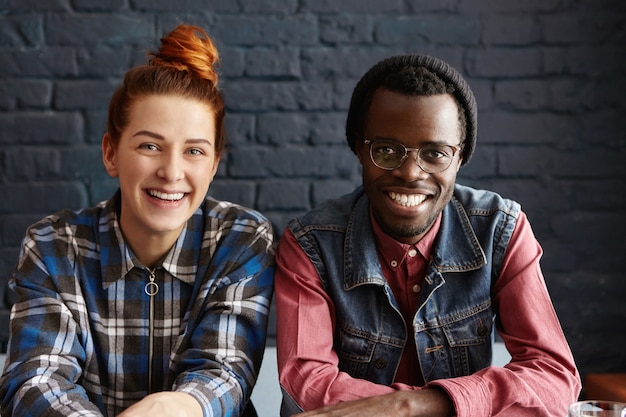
85	340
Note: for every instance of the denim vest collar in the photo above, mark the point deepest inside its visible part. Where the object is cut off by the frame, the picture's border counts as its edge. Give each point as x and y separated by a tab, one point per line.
455	252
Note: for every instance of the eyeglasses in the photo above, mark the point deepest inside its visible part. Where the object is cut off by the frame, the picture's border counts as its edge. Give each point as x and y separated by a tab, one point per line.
389	154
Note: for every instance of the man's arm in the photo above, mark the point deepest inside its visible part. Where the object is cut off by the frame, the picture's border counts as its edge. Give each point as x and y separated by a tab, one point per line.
307	363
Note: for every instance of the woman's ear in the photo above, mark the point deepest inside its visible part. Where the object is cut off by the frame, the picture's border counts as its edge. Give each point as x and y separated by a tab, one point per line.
109	155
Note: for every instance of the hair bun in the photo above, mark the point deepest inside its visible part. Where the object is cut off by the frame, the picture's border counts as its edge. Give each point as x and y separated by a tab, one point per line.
188	48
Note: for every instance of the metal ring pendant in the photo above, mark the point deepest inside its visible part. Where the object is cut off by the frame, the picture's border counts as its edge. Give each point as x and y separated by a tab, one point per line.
151	288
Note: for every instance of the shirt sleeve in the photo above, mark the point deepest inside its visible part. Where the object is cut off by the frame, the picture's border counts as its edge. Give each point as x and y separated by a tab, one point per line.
307	364
221	366
541	378
43	368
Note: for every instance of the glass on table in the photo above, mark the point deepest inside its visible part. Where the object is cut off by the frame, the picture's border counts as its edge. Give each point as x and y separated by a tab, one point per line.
596	408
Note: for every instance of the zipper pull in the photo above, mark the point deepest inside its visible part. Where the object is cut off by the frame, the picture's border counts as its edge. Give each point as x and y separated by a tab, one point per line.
151	288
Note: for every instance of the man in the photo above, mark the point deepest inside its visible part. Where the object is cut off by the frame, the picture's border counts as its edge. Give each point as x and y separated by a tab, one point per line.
386	297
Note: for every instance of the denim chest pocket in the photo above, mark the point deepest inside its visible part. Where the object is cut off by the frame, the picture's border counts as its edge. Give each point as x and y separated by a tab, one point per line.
468	335
365	355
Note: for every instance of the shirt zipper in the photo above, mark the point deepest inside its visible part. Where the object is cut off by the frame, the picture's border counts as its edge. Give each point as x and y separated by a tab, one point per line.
151	288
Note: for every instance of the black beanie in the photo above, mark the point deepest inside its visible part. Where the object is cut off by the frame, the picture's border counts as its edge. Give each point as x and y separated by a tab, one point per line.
375	77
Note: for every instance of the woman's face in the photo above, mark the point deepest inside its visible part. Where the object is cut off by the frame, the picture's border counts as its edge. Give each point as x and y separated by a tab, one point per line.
165	161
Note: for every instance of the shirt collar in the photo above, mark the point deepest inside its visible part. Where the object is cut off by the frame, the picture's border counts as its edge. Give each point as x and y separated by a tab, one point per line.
391	249
117	258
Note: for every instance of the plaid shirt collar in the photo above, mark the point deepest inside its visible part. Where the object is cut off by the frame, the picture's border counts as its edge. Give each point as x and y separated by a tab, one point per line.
118	259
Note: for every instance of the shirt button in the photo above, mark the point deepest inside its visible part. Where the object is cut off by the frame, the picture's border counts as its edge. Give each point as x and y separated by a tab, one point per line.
416	288
380	363
394	263
412	253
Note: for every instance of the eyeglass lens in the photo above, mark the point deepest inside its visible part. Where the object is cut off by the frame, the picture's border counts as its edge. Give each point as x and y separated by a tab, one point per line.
432	158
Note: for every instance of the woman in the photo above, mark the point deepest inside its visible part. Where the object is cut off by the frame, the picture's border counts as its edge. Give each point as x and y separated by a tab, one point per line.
156	301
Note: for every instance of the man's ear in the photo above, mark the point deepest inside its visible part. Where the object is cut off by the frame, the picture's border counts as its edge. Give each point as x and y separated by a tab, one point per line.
109	155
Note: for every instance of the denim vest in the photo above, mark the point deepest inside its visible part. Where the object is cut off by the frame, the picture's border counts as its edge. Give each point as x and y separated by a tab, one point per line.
453	324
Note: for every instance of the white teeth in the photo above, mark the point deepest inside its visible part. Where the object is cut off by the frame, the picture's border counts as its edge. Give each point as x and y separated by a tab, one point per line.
165	196
407	200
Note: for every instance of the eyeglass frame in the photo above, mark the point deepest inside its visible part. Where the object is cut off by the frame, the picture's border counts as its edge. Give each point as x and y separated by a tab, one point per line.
417	158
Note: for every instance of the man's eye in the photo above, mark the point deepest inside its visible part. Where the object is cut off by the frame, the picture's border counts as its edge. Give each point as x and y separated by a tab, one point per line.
435	153
387	150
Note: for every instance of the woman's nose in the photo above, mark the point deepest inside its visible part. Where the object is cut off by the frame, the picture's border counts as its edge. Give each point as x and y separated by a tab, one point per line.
172	168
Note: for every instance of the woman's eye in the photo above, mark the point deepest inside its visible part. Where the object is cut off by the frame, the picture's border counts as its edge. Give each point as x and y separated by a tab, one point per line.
148	146
196	151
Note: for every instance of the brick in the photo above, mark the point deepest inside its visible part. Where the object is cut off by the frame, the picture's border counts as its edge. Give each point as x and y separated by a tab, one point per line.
21	163
101	190
30	128
450	29
84	94
99	29
35	5
424	6
510	29
278	62
590	61
330	63
593	195
103	61
346	29
532	128
95	125
352	6
232	62
504	62
522	94
186	5
601	128
21	30
269	6
607	162
325	190
100	5
515	161
43	197
262	30
240	129
483	163
83	163
328	129
498	6
39	62
240	192
283	195
266	96
24	94
594	27
291	162
13	227
277	128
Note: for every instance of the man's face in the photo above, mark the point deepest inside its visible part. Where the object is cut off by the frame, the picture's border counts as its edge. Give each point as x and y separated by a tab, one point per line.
406	201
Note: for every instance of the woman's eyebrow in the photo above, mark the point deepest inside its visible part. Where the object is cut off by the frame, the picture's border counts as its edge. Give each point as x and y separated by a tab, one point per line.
155	135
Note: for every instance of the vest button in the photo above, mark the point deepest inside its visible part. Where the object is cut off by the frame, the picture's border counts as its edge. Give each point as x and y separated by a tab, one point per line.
380	363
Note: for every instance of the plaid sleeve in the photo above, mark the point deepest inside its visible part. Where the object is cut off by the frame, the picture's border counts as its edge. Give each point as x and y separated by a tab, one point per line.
228	339
44	353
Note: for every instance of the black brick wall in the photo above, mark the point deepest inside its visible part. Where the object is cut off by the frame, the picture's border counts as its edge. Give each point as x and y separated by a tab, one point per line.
548	76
